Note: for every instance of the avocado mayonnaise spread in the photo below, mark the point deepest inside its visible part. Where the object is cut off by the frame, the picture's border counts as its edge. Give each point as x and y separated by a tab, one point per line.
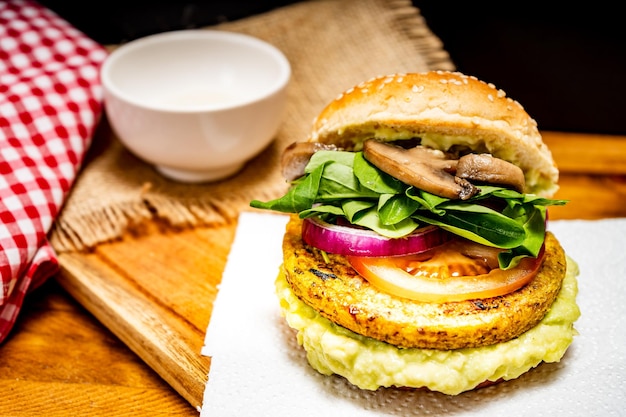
370	364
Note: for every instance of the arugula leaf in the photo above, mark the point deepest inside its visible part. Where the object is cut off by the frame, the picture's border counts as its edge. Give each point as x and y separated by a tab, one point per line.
340	184
301	196
427	200
355	208
326	211
483	225
374	179
396	208
371	220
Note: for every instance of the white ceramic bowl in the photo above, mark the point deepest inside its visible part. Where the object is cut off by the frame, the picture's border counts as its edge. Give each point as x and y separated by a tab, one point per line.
197	104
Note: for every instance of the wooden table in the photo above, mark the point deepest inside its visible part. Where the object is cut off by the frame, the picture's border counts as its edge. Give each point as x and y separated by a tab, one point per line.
60	360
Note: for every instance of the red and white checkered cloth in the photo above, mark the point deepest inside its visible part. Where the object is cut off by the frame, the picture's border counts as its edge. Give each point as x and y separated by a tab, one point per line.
50	103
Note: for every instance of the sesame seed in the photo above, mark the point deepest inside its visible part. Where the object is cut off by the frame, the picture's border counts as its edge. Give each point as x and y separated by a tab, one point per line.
490	97
501	93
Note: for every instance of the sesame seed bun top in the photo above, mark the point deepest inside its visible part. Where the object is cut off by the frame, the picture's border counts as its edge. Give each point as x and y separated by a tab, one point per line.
448	111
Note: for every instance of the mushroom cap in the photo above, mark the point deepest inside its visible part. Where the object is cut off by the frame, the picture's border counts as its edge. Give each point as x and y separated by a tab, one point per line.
449	111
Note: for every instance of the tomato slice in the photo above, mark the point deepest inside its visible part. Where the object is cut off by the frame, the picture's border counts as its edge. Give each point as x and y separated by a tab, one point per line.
453	272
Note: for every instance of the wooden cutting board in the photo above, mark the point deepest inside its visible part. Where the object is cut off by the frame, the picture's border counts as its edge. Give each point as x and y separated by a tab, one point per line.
155	290
155	287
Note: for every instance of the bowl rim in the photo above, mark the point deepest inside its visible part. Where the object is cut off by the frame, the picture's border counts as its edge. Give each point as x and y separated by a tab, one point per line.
109	87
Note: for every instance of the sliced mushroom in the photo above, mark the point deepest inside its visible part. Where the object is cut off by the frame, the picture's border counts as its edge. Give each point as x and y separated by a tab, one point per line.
426	169
488	169
297	155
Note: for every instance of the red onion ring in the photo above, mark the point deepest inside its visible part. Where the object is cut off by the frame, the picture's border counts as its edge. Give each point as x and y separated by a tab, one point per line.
346	240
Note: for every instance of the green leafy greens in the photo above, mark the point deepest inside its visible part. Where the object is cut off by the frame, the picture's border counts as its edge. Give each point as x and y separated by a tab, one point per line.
340	184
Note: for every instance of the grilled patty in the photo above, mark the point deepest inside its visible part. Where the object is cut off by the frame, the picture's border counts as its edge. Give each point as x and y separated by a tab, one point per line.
331	286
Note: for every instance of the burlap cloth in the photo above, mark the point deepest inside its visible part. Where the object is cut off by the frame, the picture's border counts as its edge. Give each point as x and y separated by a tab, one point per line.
331	45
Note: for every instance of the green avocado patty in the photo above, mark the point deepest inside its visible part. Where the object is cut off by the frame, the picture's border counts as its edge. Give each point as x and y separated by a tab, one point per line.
370	364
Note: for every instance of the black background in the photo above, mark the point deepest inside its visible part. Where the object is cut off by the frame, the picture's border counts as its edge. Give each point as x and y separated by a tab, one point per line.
565	64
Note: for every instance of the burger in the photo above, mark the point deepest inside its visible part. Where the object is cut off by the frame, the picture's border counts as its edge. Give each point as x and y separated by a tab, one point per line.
417	252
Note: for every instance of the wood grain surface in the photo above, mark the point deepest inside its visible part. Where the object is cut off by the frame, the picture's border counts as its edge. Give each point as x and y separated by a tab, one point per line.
120	330
155	290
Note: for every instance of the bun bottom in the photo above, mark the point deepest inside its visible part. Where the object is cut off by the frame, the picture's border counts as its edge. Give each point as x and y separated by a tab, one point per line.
370	364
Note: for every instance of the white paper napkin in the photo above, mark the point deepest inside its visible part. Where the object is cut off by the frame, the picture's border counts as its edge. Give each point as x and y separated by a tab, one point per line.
257	368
